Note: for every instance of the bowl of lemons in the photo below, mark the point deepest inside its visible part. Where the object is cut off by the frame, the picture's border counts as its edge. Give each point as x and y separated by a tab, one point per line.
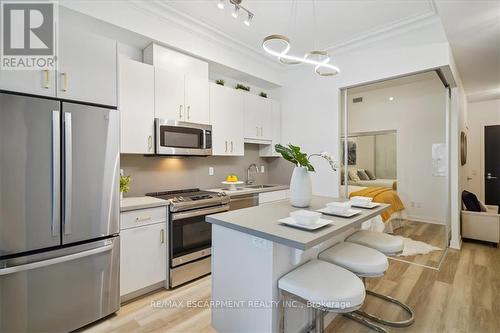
232	181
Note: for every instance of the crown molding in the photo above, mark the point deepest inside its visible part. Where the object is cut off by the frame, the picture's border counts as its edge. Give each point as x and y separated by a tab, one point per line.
164	11
397	28
482	96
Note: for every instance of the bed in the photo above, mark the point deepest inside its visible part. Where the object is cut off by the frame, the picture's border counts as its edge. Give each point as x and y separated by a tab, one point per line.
392	183
387	222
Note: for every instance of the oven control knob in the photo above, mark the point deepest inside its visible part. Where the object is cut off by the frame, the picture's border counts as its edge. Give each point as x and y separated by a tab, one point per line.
219	194
175	199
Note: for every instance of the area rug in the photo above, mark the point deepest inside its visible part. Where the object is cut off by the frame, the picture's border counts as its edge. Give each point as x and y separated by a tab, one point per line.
413	247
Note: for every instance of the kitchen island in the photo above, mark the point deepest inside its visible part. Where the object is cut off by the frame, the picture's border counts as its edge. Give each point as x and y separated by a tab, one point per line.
251	250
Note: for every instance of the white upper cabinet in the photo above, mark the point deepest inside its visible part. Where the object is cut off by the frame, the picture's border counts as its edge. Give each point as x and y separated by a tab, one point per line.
275	126
169	95
196	100
226	117
87	66
136	105
257	118
181	85
181	97
30	82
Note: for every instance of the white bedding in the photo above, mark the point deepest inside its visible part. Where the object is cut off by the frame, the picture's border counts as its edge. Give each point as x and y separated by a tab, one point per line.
374	183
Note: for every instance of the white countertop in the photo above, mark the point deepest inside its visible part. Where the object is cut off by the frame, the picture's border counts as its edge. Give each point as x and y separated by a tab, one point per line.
134	203
262	221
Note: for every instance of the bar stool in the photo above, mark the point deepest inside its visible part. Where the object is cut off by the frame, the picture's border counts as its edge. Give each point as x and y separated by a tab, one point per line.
326	288
368	261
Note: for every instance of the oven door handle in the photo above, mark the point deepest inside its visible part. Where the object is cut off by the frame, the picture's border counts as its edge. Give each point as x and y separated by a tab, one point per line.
199	212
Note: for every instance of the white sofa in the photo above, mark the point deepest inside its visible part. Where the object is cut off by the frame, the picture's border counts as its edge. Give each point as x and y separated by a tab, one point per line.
484	226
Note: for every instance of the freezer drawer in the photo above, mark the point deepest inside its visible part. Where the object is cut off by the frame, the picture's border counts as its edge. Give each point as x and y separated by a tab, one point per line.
62	290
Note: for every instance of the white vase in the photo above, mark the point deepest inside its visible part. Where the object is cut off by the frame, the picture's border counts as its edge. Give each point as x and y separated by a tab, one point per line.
300	188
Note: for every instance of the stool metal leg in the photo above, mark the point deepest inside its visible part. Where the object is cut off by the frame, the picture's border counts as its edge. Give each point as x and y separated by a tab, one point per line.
319	318
282	312
406	308
364	322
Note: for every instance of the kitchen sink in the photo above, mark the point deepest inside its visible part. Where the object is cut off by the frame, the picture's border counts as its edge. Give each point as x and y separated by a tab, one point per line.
260	186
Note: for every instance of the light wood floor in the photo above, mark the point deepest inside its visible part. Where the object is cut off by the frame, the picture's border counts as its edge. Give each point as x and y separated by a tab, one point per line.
462	297
433	234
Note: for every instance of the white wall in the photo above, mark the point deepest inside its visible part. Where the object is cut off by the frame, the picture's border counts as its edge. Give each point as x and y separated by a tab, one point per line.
479	114
418	114
310	103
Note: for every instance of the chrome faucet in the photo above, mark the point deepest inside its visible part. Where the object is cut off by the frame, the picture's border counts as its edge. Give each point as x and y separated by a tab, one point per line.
250	178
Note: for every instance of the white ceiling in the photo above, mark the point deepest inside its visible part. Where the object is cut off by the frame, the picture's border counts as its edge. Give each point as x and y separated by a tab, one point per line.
338	21
473	30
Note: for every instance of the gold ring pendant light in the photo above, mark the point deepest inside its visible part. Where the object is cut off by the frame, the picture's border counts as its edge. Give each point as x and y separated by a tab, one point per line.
279	46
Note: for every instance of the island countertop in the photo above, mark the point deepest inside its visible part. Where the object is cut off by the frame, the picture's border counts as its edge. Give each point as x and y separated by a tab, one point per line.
262	221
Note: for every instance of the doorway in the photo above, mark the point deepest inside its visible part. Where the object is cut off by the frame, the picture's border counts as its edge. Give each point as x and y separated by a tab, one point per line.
492	165
395	141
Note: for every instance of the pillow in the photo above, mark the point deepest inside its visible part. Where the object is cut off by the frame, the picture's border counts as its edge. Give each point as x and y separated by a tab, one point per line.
370	175
470	201
362	175
353	175
483	206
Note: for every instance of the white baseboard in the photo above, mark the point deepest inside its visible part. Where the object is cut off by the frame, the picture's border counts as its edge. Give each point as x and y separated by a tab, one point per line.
456	244
425	219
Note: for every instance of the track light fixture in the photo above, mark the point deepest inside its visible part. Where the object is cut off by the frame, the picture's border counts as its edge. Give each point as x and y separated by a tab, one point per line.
237	7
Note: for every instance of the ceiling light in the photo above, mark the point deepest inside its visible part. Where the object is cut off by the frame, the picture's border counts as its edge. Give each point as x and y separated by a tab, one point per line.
391	98
279	46
248	19
236	9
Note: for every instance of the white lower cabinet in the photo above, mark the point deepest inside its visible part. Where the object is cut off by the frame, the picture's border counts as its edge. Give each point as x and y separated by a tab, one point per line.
272	196
143	257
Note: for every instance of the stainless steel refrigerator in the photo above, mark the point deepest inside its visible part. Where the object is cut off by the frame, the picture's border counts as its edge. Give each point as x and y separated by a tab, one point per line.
59	214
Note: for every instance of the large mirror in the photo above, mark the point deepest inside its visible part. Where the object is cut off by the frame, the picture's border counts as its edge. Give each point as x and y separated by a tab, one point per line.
394	149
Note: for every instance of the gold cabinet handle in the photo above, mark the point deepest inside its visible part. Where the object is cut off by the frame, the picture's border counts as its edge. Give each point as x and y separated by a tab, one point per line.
188	113
162	236
150	143
46	79
226	145
180	111
257	128
65	81
232	146
142	219
262	131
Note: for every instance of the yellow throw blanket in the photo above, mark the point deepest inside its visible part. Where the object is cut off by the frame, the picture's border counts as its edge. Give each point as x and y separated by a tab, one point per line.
383	195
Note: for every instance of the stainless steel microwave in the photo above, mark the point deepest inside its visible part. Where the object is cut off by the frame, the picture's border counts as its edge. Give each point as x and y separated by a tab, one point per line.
182	138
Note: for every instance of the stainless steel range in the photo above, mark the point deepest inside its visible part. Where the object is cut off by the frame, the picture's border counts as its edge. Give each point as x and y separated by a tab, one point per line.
190	236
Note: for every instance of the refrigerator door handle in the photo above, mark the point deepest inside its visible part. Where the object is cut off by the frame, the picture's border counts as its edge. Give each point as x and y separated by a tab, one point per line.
56	160
53	261
68	164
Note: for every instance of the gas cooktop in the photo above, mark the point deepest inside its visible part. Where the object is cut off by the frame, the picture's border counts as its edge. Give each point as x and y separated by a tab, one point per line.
191	198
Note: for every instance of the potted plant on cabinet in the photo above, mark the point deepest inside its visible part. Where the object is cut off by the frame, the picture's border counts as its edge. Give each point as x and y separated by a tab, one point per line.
300	184
124	185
